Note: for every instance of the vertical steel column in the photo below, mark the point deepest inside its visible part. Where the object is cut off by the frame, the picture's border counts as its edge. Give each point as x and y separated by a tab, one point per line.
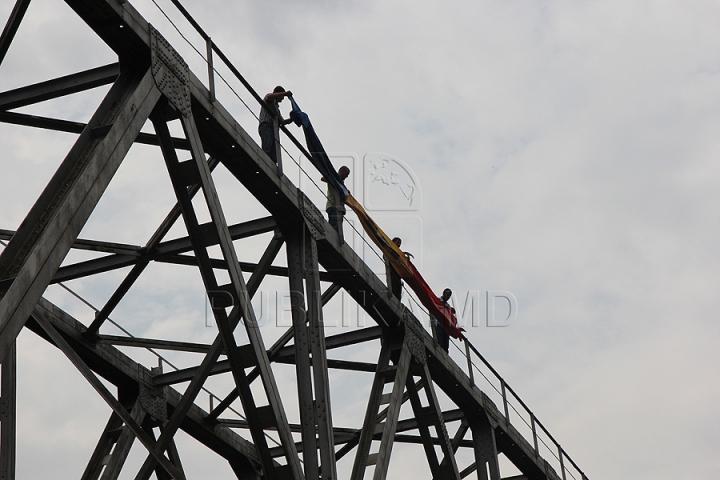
308	421
484	446
316	328
309	334
8	411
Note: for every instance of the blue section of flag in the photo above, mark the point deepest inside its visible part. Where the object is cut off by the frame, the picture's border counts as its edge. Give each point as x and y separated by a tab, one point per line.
318	157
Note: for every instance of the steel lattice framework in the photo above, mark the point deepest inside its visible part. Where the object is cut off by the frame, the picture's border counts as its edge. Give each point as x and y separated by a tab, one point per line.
151	81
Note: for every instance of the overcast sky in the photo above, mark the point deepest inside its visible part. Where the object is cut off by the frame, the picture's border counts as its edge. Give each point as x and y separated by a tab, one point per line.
566	152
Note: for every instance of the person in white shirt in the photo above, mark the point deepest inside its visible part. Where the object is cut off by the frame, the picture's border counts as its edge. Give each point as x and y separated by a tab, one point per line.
266	129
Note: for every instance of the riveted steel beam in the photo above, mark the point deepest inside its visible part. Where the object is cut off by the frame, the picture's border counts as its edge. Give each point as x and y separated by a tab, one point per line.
51	227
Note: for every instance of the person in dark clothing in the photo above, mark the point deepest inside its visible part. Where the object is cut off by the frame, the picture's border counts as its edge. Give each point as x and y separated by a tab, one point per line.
394	281
335	206
439	333
266	128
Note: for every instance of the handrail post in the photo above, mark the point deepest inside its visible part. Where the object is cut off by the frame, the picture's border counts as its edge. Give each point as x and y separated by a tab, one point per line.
562	465
534	431
211	69
469	362
505	402
278	153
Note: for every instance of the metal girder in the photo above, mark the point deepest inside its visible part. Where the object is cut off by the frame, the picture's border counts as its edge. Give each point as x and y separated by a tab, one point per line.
172	453
155	251
92	245
343	434
46	235
274	350
448	466
200	174
126	374
280	355
151	246
247	313
8	413
347	437
113	447
253	284
279	347
59	87
45	123
309	334
108	439
380	418
12	26
223	366
425	436
68	126
486	455
385	374
154	343
460	434
126	255
468	470
316	331
117	407
303	372
354	337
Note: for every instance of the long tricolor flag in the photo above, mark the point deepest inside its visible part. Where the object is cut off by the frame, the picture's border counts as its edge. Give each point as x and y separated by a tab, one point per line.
399	261
407	271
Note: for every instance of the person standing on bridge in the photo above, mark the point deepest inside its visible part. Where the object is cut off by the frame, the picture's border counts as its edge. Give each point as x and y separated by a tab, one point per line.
266	128
335	206
439	333
394	281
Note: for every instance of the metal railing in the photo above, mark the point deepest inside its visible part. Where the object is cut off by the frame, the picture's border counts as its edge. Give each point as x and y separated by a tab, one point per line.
535	430
213	51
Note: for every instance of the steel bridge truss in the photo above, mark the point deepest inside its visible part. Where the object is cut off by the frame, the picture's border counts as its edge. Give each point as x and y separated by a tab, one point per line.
152	82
